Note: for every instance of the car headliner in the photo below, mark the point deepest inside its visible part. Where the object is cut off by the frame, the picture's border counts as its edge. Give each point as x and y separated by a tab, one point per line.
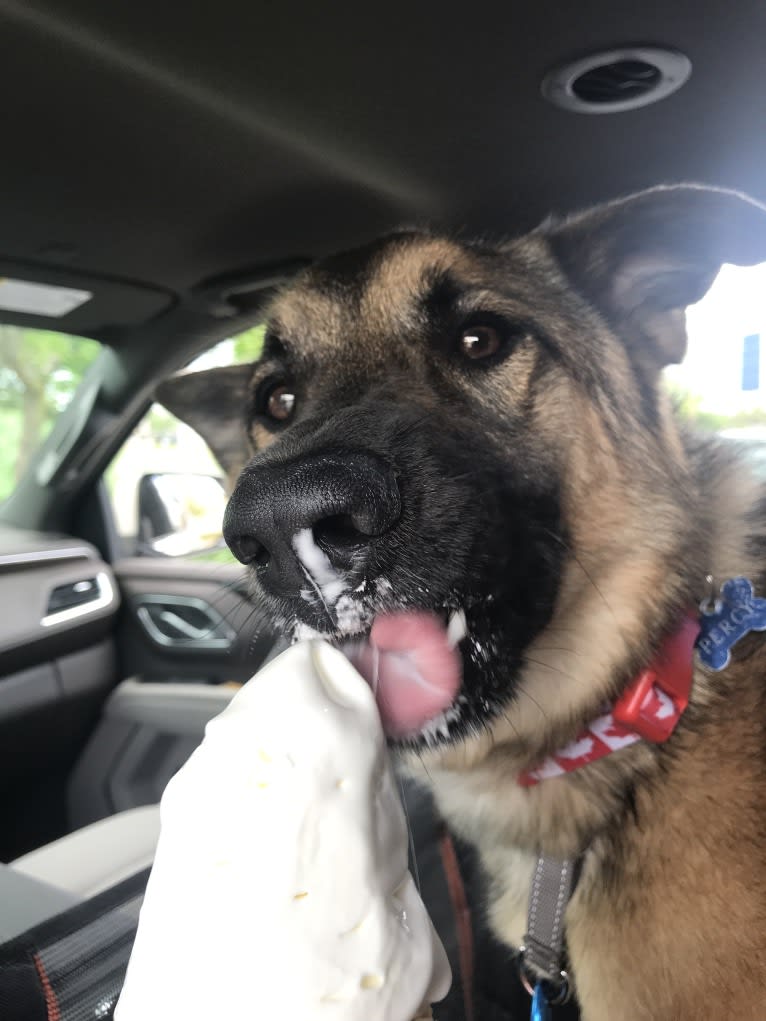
170	143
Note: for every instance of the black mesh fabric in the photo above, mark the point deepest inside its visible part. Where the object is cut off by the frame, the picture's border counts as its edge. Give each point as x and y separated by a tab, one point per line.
72	967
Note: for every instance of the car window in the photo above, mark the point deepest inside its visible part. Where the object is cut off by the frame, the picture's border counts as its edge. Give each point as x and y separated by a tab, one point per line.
721	384
165	486
39	373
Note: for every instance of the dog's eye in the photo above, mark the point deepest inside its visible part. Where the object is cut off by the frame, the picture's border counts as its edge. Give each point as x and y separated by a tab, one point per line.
280	403
480	341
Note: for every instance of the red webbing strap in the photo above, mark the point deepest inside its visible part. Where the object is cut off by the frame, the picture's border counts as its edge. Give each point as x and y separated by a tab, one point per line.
462	914
51	1003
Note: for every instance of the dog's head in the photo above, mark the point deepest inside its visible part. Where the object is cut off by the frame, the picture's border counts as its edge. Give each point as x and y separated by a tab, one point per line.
457	437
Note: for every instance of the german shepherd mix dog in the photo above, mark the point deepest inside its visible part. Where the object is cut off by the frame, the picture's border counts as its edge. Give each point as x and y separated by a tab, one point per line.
464	468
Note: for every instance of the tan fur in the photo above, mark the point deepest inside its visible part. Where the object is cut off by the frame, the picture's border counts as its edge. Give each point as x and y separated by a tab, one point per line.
399	277
260	437
687	870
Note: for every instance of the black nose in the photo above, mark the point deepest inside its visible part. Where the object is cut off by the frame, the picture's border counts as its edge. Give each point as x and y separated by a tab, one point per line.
290	519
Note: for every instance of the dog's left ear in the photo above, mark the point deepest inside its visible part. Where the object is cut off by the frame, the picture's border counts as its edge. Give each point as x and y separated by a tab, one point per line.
643	259
214	403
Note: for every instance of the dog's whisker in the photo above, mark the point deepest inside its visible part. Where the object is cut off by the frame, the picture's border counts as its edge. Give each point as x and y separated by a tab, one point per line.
549	666
225	589
562	629
246	653
424	764
591	580
492	738
318	592
534	701
510	723
559	648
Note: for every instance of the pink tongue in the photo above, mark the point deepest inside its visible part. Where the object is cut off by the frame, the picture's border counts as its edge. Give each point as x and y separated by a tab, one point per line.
414	672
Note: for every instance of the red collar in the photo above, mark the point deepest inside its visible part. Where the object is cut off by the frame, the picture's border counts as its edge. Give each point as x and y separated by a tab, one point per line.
648	709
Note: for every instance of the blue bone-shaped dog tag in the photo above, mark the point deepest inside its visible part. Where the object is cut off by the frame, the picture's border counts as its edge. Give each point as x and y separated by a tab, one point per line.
737	612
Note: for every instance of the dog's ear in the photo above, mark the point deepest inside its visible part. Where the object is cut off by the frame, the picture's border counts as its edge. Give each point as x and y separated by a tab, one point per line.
643	259
214	403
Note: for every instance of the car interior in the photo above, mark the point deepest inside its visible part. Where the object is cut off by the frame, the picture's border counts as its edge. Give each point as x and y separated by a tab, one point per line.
165	167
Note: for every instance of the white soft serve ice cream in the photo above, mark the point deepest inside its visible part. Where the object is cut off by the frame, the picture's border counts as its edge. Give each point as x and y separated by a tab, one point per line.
280	888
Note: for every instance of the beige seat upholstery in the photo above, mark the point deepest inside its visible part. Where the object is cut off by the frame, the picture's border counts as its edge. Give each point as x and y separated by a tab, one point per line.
60	875
101	854
97	856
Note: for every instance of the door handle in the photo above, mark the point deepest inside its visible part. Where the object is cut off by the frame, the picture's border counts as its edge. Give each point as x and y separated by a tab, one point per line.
174	622
183	622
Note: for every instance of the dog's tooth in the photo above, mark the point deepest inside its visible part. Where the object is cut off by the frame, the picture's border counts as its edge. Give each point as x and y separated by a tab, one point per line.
457	628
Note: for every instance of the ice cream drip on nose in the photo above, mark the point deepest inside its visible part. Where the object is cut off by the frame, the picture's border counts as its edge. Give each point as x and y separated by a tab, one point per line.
321	575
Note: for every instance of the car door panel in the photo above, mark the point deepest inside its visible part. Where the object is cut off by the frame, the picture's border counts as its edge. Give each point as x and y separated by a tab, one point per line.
58	604
186	620
42	617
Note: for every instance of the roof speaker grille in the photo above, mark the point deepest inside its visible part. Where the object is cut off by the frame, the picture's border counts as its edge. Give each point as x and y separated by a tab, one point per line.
617	80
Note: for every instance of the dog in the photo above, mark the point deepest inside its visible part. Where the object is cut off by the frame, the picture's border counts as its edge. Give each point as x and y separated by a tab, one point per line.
479	432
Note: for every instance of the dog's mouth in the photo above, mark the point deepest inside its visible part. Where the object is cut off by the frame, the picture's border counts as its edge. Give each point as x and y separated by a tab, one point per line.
414	656
412	661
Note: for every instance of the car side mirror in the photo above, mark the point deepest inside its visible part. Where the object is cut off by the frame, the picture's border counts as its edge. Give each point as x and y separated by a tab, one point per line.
180	513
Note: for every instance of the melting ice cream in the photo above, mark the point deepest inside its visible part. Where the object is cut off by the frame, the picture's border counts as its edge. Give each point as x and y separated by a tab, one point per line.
280	887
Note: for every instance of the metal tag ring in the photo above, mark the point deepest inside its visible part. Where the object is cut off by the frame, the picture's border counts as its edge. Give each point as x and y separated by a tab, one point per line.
560	987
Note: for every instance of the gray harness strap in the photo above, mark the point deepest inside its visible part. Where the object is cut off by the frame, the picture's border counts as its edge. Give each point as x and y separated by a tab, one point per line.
543	950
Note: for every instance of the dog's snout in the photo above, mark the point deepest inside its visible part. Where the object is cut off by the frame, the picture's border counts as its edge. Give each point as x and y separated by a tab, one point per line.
344	500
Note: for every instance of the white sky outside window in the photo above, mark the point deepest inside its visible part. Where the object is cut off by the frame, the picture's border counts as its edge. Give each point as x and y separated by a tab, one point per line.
735	307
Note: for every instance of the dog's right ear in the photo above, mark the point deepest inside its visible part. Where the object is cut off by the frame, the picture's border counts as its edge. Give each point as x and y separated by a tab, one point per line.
214	403
643	259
